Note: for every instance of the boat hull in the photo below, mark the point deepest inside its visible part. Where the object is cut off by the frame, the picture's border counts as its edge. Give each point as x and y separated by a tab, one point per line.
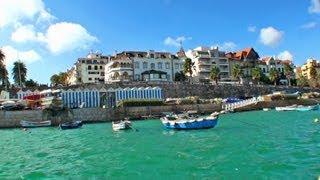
121	125
201	123
71	125
33	124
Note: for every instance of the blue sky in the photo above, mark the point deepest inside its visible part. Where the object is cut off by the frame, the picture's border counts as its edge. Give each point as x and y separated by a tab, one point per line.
49	35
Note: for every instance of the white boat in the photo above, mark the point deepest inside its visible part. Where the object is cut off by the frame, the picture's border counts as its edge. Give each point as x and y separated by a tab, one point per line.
30	124
287	108
266	109
121	125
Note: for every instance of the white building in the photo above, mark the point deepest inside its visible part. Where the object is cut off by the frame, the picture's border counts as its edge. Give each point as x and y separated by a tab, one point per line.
89	69
144	66
205	59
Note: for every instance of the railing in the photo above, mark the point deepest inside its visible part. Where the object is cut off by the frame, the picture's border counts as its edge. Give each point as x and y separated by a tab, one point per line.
232	106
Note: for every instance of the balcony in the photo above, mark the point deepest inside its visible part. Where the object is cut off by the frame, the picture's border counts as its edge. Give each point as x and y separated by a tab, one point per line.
204	62
224	69
204	70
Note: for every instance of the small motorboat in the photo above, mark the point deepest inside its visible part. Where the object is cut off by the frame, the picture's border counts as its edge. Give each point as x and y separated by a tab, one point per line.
121	125
287	108
31	124
266	109
71	125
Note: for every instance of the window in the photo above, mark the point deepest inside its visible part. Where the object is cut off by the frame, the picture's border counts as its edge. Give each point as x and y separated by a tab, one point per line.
95	67
137	77
102	73
264	70
89	79
136	65
279	70
155	76
153	66
167	66
168	77
151	55
83	61
159	65
145	65
100	67
177	66
89	67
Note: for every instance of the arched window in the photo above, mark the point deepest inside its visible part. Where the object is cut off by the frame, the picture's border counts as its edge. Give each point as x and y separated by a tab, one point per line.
153	66
145	65
159	65
136	65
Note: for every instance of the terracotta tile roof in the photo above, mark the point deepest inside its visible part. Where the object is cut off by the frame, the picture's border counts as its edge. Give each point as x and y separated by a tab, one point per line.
181	53
243	54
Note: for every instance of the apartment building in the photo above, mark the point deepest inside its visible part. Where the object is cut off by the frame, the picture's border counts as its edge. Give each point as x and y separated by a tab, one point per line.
144	66
311	63
89	69
205	59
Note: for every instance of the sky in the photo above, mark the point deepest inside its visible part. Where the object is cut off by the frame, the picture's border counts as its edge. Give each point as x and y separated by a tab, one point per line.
50	35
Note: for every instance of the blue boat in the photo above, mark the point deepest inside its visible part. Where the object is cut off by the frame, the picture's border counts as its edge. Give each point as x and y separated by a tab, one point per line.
71	125
186	121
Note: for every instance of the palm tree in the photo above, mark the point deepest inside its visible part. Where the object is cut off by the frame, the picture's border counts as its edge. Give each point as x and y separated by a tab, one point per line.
236	72
19	72
274	75
187	68
180	76
63	77
2	56
214	74
3	71
55	80
287	72
256	74
4	79
31	84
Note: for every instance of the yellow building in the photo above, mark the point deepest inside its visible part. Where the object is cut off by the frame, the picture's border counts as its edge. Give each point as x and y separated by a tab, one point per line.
305	69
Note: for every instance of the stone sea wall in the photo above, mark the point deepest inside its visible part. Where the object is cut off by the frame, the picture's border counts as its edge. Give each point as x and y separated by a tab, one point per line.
11	119
179	90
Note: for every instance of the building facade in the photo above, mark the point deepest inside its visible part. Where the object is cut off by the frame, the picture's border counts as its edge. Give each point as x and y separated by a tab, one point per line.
89	69
204	59
143	66
246	59
306	68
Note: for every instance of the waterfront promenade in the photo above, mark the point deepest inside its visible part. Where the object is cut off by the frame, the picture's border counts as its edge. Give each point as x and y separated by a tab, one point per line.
11	119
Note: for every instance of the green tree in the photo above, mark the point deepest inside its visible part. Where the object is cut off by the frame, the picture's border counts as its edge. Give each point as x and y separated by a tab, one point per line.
19	72
187	68
274	75
2	56
55	80
236	72
4	79
31	84
256	74
214	74
63	77
180	76
288	70
302	81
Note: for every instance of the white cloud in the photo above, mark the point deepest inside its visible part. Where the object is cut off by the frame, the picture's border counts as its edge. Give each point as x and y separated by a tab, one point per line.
64	37
314	6
252	28
270	36
12	55
285	55
24	34
309	25
14	11
175	42
227	46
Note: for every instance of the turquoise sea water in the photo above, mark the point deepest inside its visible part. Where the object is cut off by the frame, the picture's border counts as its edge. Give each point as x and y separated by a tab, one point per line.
249	145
